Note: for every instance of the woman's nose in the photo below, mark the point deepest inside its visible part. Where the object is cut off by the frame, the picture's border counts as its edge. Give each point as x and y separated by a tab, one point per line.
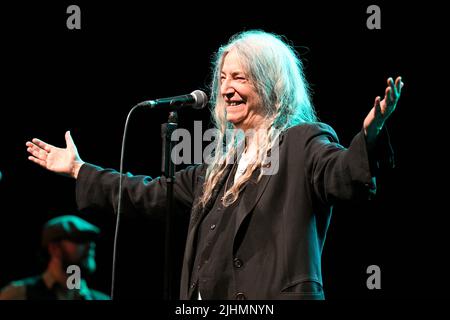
228	92
226	88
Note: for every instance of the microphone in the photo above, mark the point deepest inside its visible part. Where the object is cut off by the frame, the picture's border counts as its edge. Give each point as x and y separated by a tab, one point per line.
196	99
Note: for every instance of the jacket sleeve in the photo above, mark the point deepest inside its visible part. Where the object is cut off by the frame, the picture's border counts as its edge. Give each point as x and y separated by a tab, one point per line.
98	188
336	172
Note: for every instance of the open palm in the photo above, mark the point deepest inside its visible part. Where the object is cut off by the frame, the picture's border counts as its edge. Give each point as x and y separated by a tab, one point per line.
63	161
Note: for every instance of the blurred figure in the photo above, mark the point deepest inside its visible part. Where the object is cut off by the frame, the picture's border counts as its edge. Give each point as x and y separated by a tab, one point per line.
69	240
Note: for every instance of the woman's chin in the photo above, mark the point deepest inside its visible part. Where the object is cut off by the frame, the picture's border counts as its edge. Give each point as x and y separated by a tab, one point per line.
236	122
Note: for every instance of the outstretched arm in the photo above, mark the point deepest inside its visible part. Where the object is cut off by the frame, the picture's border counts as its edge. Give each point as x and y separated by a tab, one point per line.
63	161
382	109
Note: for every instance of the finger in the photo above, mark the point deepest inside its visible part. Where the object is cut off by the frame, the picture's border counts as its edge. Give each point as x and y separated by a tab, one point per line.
69	140
377	106
42	144
393	93
395	89
399	85
389	85
389	81
388	96
30	144
38	153
32	147
36	160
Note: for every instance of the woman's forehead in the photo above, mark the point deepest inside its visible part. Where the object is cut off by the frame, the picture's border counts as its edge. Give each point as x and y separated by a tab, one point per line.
231	62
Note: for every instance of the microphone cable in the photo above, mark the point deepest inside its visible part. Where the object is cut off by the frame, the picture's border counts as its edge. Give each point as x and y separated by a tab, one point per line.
119	203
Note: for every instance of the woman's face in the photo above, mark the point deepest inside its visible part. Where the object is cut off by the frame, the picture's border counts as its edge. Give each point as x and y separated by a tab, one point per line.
242	103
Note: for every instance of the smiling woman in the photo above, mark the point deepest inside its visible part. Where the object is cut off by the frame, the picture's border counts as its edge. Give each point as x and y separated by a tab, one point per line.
243	106
251	235
258	84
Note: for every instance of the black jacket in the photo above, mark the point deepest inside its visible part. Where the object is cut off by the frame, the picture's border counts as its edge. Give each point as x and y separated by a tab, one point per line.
282	220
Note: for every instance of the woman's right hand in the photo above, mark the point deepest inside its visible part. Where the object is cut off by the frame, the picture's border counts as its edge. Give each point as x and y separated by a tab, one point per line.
63	161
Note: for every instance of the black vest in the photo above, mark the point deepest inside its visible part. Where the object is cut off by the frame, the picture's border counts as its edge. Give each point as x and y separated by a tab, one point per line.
212	271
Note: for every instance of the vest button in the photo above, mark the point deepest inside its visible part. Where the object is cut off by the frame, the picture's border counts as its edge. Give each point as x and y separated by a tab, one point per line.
240	296
237	262
213	226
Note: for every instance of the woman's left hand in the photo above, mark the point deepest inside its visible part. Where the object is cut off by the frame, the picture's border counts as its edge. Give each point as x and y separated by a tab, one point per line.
382	109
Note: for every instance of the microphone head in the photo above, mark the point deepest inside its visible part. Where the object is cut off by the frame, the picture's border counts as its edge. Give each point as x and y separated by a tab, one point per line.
201	99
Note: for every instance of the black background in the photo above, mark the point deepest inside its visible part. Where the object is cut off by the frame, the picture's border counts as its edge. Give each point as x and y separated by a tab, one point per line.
86	81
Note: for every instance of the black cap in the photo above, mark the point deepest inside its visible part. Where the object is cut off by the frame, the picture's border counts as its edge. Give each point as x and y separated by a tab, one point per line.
68	228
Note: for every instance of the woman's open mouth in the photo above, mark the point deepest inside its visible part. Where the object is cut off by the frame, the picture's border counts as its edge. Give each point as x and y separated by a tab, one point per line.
235	104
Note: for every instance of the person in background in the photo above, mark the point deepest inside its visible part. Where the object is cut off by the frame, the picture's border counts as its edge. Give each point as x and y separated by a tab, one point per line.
69	241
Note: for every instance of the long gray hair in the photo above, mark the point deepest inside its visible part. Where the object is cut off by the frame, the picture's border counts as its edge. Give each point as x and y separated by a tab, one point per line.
276	72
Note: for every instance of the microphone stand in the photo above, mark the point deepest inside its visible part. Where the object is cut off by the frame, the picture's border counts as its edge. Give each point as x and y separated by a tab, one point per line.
168	171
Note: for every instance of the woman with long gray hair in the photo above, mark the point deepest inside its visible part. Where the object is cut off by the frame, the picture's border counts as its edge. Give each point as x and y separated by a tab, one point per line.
261	205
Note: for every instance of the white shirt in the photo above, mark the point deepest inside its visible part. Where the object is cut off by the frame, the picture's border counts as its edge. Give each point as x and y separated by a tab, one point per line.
245	160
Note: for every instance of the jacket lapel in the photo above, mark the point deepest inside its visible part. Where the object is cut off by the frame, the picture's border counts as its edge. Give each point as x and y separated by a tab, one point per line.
250	197
253	192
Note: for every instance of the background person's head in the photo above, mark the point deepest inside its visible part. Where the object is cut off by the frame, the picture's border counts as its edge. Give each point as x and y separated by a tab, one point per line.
69	240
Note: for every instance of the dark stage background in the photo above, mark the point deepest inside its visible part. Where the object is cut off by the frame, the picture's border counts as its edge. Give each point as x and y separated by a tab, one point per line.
86	81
